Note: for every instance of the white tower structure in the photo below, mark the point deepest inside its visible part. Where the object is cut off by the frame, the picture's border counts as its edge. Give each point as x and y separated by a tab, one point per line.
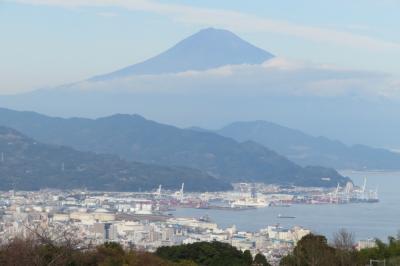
337	190
181	192
158	193
364	187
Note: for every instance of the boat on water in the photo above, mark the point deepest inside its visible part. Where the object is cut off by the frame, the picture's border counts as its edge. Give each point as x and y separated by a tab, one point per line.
205	218
280	216
249	203
280	205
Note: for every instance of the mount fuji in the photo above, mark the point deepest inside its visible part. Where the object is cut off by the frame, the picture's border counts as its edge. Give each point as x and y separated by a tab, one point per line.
206	49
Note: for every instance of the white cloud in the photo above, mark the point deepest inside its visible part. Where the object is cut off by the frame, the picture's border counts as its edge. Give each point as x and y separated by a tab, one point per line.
231	20
107	14
275	77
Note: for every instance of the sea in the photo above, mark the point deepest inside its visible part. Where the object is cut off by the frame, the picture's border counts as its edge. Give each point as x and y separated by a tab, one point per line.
364	220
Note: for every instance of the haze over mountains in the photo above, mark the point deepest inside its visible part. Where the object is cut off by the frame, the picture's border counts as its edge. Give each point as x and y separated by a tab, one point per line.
134	138
26	164
214	77
308	150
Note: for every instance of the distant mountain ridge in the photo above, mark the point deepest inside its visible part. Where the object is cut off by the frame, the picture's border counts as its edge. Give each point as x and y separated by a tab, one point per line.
136	139
26	164
212	98
308	150
213	101
206	49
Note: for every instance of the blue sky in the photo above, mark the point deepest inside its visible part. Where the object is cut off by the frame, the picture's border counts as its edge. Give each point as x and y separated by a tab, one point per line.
51	42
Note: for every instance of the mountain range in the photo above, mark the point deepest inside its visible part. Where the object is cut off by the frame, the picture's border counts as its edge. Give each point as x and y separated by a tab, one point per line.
135	138
217	77
305	149
26	164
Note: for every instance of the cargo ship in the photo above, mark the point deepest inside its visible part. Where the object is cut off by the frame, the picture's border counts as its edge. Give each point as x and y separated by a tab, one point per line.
280	216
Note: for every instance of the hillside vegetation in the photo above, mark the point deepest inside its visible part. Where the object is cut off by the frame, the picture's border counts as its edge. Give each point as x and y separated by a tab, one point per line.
26	164
135	138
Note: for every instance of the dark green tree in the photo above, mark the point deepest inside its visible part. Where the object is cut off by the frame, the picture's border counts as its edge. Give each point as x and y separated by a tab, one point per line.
311	250
247	257
260	260
207	253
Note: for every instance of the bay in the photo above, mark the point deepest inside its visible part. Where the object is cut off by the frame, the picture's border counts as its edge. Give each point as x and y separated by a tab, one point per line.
364	220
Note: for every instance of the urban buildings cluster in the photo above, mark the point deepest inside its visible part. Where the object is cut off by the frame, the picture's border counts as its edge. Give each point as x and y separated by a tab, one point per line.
145	221
94	218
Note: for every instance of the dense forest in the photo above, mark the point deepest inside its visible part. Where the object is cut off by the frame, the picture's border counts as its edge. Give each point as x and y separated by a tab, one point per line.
311	250
314	250
212	254
41	252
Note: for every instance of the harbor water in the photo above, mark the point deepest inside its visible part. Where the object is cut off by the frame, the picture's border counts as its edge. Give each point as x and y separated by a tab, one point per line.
364	220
